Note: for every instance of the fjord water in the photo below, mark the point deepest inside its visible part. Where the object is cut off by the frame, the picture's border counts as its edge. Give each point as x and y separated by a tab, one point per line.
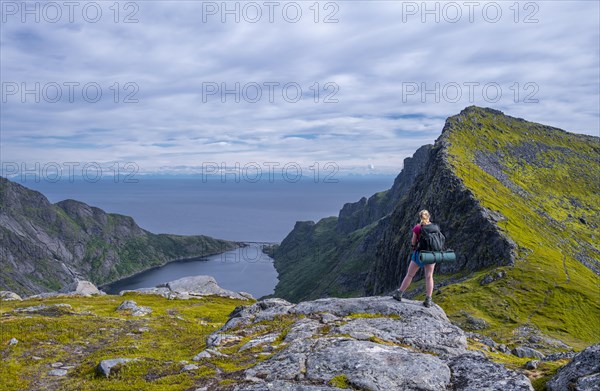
244	211
245	269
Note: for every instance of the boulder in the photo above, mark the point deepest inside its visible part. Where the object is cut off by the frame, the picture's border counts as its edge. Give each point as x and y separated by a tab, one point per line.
472	372
190	287
533	364
130	305
81	287
9	296
47	310
106	367
524	351
200	286
58	372
283	386
581	374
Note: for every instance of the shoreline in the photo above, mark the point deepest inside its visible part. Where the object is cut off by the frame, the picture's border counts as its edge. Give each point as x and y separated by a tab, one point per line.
198	257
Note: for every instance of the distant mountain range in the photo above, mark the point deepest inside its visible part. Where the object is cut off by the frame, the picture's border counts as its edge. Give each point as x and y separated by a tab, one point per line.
45	246
518	201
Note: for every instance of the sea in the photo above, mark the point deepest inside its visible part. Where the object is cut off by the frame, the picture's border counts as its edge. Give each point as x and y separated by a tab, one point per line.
258	213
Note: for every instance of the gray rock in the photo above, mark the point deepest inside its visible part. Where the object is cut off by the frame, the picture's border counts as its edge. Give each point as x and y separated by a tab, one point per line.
559	356
328	318
503	348
474	323
259	341
302	329
217	339
367	365
201	286
81	287
533	364
13	341
524	351
189	367
491	277
214	352
588	383
53	309
201	355
419	347
130	305
164	292
484	339
9	296
58	372
280	385
424	333
472	372
190	287
56	364
580	374
106	366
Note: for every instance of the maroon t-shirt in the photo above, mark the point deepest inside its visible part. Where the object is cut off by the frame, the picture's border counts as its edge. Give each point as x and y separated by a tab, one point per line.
417	231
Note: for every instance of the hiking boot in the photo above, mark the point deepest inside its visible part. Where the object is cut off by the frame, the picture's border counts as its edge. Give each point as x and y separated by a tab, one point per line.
427	302
397	295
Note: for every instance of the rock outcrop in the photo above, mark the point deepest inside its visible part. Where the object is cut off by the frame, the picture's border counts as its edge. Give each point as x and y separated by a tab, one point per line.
370	343
581	374
9	296
190	287
46	247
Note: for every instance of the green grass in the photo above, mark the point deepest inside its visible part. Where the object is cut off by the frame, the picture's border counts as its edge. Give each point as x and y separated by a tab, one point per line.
339	381
93	331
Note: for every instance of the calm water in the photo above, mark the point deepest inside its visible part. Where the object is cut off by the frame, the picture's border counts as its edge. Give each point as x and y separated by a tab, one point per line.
242	211
245	269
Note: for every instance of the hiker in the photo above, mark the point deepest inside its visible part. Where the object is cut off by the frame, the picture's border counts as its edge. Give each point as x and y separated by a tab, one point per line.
415	263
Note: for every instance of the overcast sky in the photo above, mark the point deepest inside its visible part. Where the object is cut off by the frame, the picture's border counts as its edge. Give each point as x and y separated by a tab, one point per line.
168	78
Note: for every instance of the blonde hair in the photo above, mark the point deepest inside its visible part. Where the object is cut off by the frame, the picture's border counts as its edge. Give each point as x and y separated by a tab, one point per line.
424	216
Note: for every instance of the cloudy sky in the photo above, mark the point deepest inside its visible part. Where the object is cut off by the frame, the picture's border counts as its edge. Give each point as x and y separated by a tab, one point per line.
173	85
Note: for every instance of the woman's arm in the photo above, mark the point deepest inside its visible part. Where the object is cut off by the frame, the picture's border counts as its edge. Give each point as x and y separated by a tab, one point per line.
413	242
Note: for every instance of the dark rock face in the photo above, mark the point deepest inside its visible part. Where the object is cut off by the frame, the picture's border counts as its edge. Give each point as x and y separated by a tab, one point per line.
341	250
469	228
45	247
359	214
581	374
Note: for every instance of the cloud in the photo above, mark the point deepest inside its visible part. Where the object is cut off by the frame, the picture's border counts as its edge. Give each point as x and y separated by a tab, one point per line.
375	85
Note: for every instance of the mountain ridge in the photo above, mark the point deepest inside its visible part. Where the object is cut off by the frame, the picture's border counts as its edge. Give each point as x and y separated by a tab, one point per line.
493	182
45	246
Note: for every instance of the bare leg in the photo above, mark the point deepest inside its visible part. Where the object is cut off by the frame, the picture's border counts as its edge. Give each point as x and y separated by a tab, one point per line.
412	270
429	279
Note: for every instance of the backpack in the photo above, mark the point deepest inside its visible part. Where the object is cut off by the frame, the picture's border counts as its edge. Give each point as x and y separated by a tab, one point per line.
431	238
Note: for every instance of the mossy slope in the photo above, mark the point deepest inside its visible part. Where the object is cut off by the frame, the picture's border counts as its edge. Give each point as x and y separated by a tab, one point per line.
544	182
92	330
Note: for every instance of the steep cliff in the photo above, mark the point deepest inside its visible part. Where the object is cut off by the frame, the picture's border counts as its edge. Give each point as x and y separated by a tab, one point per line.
45	246
518	201
359	214
333	256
